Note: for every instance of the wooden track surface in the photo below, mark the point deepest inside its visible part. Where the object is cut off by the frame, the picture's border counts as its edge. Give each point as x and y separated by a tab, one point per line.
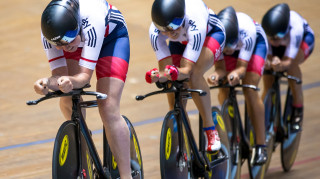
27	133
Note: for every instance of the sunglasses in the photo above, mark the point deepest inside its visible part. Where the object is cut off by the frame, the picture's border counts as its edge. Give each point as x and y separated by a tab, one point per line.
280	35
66	39
174	25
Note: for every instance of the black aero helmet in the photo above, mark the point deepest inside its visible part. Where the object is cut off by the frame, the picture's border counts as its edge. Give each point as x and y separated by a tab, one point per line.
276	21
229	19
168	15
60	21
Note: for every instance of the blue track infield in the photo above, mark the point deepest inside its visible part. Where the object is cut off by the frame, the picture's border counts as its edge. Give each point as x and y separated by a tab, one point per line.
154	120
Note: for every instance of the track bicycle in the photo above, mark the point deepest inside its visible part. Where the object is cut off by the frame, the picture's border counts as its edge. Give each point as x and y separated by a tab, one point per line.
242	139
280	128
74	153
180	158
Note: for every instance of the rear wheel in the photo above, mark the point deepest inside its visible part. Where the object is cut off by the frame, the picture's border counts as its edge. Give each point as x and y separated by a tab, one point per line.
290	143
235	150
65	161
135	156
174	164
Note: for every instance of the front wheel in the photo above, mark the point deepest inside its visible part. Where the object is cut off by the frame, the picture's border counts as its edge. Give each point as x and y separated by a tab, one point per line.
173	163
271	122
290	143
235	149
135	156
65	160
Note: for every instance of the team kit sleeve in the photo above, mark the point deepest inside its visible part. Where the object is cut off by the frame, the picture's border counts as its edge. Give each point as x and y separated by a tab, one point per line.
93	29
248	36
296	35
55	57
197	30
158	43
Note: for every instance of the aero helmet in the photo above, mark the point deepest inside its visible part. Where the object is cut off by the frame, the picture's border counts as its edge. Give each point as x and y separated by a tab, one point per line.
276	21
229	19
168	15
60	21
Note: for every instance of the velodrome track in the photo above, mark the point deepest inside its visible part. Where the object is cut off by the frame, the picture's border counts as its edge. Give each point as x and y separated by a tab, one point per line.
27	133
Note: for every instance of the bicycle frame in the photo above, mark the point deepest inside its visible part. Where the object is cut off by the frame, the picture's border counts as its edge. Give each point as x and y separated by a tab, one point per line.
176	87
276	87
77	117
237	122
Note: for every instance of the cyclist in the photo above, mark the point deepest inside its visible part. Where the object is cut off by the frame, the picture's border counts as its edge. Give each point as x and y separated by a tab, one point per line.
196	39
79	37
292	41
243	59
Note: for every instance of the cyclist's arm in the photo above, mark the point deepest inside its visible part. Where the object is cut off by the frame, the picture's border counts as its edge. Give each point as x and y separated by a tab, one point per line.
79	80
185	69
240	68
60	75
285	63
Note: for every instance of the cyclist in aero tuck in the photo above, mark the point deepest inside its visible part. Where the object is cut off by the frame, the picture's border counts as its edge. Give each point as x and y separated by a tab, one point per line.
243	58
79	36
291	41
196	39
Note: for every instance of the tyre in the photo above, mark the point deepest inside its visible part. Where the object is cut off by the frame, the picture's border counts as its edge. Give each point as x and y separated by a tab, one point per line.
223	169
172	163
271	120
290	143
235	150
65	160
135	156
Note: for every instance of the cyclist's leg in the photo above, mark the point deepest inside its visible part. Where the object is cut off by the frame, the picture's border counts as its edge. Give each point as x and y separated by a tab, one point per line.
117	131
197	81
295	70
305	51
210	51
254	101
111	71
255	106
267	84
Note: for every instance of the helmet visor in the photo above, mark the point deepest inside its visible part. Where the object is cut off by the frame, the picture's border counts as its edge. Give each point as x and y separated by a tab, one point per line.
66	39
232	45
174	25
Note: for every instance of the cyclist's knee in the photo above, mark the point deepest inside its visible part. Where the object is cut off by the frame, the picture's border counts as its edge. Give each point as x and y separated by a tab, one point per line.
251	95
66	102
222	95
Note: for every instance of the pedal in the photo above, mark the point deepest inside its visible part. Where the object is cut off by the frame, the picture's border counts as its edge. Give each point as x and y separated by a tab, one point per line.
135	174
219	159
107	172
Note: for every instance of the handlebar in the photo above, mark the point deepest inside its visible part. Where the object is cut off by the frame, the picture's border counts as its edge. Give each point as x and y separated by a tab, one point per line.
282	75
227	85
171	87
56	94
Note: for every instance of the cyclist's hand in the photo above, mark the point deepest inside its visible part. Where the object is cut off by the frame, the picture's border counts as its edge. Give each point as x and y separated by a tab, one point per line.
65	84
171	72
233	78
213	79
152	75
41	86
267	65
276	64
